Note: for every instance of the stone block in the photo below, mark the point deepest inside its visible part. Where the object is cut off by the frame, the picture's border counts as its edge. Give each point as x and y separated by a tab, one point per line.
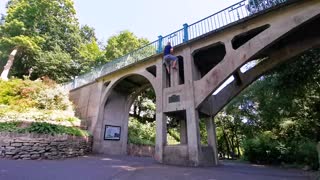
16	157
54	143
10	153
16	144
25	156
35	156
9	148
25	147
8	156
28	144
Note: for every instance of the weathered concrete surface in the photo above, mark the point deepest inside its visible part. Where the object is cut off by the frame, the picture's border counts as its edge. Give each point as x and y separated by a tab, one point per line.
132	168
140	150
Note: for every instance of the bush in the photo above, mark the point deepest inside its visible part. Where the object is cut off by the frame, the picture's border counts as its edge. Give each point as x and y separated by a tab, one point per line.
265	148
46	128
23	94
19	94
9	126
25	100
139	133
53	98
306	154
262	149
42	128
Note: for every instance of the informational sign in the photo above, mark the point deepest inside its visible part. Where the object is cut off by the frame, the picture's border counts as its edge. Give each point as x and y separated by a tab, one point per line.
112	132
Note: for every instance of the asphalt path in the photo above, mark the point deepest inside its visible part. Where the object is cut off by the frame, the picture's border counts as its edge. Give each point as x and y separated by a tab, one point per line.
140	168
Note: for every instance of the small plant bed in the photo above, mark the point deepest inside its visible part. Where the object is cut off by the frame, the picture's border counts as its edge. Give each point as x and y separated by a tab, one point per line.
36	101
41	128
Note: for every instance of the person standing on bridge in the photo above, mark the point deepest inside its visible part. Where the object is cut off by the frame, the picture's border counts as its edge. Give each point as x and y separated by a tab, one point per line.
168	58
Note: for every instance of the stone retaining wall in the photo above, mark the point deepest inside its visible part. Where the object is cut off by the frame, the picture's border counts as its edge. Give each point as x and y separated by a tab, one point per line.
35	146
140	150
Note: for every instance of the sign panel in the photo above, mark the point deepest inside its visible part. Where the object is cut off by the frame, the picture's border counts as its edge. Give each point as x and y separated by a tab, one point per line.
112	132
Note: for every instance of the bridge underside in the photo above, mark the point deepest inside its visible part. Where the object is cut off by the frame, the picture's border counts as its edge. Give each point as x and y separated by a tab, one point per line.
187	93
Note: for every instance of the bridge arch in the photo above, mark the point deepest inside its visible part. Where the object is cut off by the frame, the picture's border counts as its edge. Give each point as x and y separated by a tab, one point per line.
116	101
293	43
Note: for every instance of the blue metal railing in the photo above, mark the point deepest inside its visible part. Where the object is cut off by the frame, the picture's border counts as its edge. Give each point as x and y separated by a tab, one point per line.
211	23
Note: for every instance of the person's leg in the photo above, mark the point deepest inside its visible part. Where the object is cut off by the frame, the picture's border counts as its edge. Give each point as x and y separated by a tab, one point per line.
174	60
167	63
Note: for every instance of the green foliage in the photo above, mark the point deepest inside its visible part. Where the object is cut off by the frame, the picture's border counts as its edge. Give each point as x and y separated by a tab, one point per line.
122	44
46	128
53	98
46	35
25	100
91	56
203	132
306	153
173	132
262	148
285	102
9	126
139	133
56	64
41	128
266	148
19	93
22	94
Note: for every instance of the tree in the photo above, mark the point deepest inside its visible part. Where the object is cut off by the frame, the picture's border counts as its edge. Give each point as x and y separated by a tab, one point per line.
278	115
90	54
87	34
45	24
122	44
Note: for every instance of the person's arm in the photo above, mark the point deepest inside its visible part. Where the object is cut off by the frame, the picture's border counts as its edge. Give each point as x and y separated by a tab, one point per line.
171	50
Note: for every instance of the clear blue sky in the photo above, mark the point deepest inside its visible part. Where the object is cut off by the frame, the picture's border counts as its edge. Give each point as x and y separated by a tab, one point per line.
145	18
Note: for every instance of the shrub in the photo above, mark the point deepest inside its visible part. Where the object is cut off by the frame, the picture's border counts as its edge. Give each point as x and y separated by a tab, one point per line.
262	149
53	98
46	128
42	128
265	148
139	133
306	154
9	126
23	94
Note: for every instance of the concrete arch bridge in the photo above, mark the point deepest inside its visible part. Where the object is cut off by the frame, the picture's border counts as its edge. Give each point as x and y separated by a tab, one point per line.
210	51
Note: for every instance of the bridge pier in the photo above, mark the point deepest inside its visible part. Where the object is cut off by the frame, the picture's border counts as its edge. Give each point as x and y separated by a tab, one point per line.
212	138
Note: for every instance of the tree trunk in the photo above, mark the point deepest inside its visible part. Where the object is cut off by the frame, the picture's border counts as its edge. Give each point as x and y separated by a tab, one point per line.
227	142
135	110
7	67
238	146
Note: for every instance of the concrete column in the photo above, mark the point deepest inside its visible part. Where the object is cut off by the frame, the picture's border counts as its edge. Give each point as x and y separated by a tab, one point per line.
183	132
193	131
174	75
161	118
161	135
193	136
212	140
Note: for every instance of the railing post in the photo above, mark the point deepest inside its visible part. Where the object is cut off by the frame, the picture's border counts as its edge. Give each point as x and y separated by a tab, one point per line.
159	44
185	32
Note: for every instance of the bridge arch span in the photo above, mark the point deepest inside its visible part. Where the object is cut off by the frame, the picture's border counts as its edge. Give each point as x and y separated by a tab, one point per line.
114	109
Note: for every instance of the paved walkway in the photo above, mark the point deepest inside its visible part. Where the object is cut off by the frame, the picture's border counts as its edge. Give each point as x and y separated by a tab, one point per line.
125	167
